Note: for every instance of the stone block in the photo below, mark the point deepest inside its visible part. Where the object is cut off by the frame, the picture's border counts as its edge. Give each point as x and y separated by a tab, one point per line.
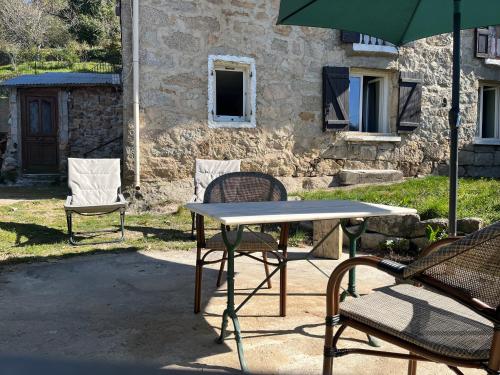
331	247
368	176
336	152
395	225
469	224
372	241
440	223
497	158
466	158
368	152
483	159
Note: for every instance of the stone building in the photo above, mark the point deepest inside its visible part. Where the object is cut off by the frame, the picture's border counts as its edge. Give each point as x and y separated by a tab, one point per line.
314	107
54	116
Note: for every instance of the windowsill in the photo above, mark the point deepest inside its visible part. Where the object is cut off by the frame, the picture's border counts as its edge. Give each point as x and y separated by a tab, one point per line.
231	124
487	141
373	48
494	62
371	137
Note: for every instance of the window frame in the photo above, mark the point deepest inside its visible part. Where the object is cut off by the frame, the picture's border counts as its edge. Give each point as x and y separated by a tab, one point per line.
384	127
479	129
232	63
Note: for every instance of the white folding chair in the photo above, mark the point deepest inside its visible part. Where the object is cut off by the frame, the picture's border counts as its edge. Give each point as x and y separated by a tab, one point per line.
95	189
205	172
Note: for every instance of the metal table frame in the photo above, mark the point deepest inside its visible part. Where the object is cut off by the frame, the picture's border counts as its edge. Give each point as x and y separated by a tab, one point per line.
231	312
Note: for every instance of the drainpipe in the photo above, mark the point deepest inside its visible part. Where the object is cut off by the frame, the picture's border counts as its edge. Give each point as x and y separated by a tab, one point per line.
135	95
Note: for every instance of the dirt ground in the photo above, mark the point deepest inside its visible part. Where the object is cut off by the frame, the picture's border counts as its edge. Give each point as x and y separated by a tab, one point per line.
135	309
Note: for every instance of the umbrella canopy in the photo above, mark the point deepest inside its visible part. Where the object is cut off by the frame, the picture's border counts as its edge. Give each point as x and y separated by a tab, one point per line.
396	21
400	22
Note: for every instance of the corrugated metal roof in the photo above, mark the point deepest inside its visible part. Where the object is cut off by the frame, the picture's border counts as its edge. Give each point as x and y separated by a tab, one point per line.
63	79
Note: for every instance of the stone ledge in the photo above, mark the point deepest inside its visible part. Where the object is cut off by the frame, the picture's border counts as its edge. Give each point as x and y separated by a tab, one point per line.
360	137
367	176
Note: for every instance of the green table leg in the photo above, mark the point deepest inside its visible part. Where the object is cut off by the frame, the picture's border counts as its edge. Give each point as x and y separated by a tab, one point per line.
230	311
351	286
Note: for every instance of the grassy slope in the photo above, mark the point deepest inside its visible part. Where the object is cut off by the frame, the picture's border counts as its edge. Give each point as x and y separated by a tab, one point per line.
476	197
38	228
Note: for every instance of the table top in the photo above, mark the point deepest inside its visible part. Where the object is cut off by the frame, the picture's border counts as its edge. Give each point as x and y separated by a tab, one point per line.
292	211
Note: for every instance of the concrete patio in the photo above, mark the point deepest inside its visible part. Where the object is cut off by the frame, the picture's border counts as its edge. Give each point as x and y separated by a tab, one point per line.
136	308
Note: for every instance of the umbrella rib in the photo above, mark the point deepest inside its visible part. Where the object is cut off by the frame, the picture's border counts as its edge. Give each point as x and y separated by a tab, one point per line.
296	11
409	22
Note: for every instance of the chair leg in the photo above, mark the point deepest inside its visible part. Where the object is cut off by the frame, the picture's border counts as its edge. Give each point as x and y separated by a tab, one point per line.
197	283
122	225
283	272
193	225
69	220
221	269
266	268
412	367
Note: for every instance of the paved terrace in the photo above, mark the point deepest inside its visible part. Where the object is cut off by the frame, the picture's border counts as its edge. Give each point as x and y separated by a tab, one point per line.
136	308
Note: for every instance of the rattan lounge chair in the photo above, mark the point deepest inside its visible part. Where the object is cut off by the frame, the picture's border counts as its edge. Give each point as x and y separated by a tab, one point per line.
450	315
243	187
205	172
95	189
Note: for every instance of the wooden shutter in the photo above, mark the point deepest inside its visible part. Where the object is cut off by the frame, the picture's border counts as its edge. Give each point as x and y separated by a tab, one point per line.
335	98
349	36
482	42
410	101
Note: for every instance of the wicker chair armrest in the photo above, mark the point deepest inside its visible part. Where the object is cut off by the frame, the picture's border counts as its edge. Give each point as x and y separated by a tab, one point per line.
437	245
333	289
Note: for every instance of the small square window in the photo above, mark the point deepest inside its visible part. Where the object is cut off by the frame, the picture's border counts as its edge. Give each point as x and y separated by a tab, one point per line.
231	92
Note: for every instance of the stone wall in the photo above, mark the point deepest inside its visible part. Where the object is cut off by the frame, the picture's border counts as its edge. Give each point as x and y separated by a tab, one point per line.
95	118
176	38
88	118
480	161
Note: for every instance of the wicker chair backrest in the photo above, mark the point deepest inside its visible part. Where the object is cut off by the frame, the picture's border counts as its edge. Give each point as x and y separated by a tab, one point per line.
471	264
245	187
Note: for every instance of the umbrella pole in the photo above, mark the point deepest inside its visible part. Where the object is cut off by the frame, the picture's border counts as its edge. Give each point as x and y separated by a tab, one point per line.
454	118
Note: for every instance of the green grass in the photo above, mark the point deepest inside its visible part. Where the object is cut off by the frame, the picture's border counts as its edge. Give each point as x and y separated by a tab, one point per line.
33	229
429	196
44	67
37	229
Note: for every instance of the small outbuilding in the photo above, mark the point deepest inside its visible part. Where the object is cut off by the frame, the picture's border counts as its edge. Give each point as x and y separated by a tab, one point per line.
54	116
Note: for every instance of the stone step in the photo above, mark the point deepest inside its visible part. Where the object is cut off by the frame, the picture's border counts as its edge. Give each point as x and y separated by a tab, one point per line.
369	176
39	179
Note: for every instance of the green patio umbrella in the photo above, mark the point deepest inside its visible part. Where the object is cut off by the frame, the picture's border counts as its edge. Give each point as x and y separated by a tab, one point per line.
400	22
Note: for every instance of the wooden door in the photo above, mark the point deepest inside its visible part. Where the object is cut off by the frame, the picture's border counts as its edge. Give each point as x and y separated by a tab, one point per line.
39	131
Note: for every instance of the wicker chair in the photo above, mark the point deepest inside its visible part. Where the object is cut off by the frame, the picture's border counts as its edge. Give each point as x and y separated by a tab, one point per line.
243	187
454	319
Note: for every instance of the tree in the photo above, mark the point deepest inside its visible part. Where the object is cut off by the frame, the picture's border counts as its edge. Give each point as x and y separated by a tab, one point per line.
23	25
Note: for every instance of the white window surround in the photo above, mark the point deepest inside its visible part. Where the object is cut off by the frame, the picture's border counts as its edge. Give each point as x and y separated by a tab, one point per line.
375	45
479	138
494	62
371	137
247	66
384	95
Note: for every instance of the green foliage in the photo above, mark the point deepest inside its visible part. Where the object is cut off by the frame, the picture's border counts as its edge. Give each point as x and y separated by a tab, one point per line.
86	7
435	234
87	30
429	196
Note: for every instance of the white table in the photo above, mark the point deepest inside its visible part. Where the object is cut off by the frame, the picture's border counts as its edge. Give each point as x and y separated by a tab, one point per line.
276	212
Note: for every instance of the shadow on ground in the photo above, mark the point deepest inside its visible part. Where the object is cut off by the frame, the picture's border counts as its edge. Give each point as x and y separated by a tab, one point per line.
33	234
164	234
109	307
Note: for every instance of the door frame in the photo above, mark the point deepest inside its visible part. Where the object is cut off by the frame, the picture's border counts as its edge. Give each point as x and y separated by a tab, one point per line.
42	93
